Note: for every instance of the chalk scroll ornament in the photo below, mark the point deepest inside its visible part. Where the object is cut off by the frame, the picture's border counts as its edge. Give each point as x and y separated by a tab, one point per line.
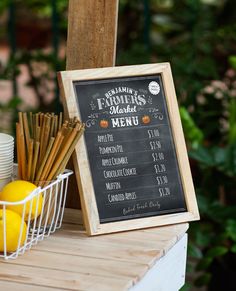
156	113
92	119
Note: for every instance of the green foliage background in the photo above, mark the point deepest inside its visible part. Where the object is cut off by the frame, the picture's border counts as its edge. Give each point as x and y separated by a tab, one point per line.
198	38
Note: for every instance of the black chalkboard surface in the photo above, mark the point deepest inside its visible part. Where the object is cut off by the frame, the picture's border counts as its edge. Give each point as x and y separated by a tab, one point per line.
131	164
130	147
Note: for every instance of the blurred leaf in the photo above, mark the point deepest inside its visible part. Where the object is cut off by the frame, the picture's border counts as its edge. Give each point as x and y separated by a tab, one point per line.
231	229
232	121
203	155
230	163
216	252
220	155
190	267
191	131
203	239
232	61
194	251
220	213
203	280
203	203
204	263
14	102
233	249
223	158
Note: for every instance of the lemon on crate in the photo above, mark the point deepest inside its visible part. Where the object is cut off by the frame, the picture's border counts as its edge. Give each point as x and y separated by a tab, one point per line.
14	223
18	190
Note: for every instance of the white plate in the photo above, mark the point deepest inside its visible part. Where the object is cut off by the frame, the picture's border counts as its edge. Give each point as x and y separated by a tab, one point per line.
2	144
6	153
6	157
5	172
6	168
6	165
7	162
5	138
5	146
7	175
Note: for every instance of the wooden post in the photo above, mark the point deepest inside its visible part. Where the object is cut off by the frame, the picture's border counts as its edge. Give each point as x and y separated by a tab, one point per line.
92	34
91	43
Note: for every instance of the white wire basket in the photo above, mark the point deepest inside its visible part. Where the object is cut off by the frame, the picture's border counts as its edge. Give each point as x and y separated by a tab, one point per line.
33	227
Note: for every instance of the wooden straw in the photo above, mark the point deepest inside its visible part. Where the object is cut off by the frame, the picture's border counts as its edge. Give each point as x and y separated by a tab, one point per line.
45	158
38	132
31	124
41	116
47	132
51	157
36	120
20	115
60	121
30	158
52	127
44	137
46	143
66	136
64	151
26	130
18	150
63	129
65	160
23	154
36	153
56	125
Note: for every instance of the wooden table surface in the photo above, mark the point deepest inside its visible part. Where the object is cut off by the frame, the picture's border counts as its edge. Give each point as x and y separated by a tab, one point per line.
69	260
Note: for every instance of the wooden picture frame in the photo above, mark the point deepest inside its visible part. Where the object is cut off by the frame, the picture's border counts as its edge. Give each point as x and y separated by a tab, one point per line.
68	80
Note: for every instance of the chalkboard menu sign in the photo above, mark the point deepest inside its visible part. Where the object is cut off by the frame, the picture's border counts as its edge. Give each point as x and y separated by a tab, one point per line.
132	162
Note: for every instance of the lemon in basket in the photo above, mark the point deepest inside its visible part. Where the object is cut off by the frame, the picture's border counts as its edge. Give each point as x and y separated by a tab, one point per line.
12	231
18	190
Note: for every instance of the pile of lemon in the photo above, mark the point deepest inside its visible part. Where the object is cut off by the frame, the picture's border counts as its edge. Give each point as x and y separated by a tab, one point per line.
15	224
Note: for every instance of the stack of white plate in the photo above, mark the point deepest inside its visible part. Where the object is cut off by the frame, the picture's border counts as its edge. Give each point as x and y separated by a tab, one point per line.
6	158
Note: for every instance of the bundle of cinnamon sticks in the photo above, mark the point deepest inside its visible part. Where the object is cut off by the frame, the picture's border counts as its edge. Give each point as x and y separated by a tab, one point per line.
44	145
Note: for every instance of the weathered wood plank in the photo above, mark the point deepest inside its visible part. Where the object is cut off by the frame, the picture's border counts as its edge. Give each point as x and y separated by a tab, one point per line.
59	279
83	265
110	251
12	286
92	31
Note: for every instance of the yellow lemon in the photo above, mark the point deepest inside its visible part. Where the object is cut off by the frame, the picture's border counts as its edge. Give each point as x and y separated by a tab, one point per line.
13	229
18	190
